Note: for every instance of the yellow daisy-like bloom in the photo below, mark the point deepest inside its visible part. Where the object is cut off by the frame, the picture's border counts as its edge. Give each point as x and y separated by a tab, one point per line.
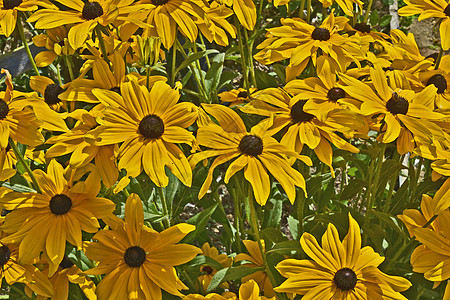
406	114
149	123
441	80
165	17
303	127
247	291
67	273
46	221
431	8
81	89
257	152
300	42
85	16
17	119
138	261
82	152
57	44
236	97
245	11
345	5
13	271
339	270
215	30
208	270
10	8
255	258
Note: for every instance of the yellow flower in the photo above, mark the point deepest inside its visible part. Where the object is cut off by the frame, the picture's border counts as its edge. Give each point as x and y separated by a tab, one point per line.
215	30
149	123
255	258
138	261
236	97
17	119
67	273
339	270
247	291
303	127
46	221
208	270
55	40
82	152
245	11
257	152
300	42
405	113
85	16
10	8
431	8
345	5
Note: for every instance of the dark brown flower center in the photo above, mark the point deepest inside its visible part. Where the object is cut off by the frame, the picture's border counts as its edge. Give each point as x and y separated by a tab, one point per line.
5	254
321	34
446	10
251	145
66	262
335	94
151	126
51	93
362	27
135	256
345	279
159	2
5	212
116	89
397	105
297	113
10	4
60	204
243	94
4	109
439	81
388	69
92	10
207	269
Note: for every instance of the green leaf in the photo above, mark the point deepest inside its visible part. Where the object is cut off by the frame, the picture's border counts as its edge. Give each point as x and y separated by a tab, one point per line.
228	274
374	17
385	20
390	221
202	260
18	187
273	211
191	58
212	77
353	187
199	220
265	80
293	226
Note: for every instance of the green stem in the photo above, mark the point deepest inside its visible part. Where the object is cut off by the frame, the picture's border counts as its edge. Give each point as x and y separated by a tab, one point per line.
250	52
438	59
430	221
261	4
25	43
255	227
204	48
369	7
69	67
162	197
300	9
392	182
20	158
101	42
199	69
174	61
308	11
243	60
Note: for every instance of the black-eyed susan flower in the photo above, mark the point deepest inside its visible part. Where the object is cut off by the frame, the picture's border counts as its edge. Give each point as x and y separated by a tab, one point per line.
82	152
257	152
245	11
345	5
15	272
138	261
431	8
217	26
148	124
255	259
67	273
17	119
84	15
247	291
401	109
339	270
303	127
236	96
10	8
301	42
441	80
208	271
166	17
44	222
55	40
